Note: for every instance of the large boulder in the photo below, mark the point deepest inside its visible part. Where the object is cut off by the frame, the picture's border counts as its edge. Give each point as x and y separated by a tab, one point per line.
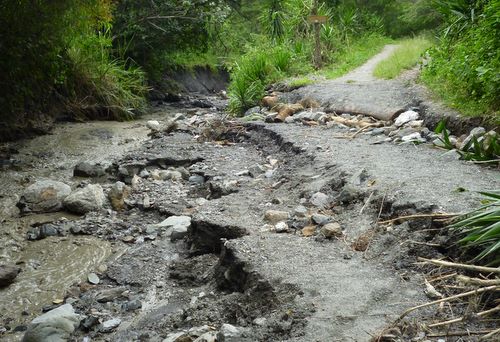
54	326
44	196
84	200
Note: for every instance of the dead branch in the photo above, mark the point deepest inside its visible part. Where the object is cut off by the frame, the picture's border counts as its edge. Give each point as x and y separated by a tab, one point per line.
476	281
460	319
447	299
490	335
410	217
462	266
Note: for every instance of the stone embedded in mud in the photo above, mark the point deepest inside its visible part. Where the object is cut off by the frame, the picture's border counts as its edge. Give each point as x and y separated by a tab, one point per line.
321	219
8	274
84	200
197	179
176	226
211	336
332	230
256	170
133	305
260	321
276	216
108	295
86	169
474	133
43	197
178	337
110	325
406	117
43	231
56	325
117	195
320	200
300	211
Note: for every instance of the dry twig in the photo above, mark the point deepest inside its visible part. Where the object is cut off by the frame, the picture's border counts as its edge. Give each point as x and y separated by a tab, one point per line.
417	216
462	266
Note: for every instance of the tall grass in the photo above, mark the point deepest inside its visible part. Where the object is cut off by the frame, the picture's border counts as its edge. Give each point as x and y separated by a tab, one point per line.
406	56
103	87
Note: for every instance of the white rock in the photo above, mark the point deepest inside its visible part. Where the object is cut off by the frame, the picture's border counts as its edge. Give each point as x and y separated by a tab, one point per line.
180	336
153	125
229	330
177	226
320	200
53	326
93	278
281	227
413	137
405	117
110	325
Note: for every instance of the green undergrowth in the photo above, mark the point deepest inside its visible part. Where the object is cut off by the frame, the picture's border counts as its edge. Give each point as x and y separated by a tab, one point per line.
406	56
300	82
349	57
480	230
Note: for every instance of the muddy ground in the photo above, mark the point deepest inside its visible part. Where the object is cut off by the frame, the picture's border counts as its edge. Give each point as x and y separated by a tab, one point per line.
235	275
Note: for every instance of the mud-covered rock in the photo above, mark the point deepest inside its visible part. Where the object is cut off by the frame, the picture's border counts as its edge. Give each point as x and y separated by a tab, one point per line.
86	169
276	216
108	295
117	195
8	274
44	196
55	326
331	230
84	200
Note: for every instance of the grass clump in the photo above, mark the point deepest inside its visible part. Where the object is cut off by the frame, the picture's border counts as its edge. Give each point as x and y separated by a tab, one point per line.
355	55
300	82
404	57
480	229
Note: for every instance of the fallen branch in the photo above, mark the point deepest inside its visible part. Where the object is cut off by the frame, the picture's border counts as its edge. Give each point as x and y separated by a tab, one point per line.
417	216
490	335
462	266
476	281
447	299
459	333
460	319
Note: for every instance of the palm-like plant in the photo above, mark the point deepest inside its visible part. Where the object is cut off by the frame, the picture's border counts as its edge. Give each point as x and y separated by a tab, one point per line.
481	229
460	14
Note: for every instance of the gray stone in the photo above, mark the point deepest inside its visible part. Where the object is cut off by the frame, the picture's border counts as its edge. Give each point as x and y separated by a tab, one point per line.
405	131
84	200
378	131
211	336
93	278
474	133
320	200
260	321
133	305
86	169
8	274
43	197
197	179
321	219
184	172
275	216
144	174
110	325
54	326
169	175
256	170
177	226
300	211
359	177
413	137
253	110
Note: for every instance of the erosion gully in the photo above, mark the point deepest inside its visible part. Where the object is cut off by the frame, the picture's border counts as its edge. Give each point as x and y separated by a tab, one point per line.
233	267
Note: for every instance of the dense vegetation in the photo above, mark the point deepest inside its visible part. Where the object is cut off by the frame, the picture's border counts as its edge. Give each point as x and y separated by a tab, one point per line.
93	58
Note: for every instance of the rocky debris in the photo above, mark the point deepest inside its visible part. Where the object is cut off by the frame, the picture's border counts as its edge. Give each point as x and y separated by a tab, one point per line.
252	111
270	101
308	231
406	117
8	274
276	216
320	200
110	325
117	195
331	230
414	137
196	179
218	189
211	336
44	196
286	110
56	325
300	211
153	125
109	295
176	227
86	169
84	200
474	133
321	219
170	174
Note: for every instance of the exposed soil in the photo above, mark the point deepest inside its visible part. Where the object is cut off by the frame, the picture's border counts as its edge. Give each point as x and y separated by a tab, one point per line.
234	266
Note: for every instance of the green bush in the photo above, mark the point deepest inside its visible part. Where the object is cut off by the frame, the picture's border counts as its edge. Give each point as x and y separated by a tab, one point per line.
465	67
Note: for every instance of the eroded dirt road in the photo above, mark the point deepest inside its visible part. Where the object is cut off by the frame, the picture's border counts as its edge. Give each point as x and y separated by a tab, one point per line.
282	240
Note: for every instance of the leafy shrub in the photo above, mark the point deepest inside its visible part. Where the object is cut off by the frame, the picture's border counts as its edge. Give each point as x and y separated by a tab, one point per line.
480	229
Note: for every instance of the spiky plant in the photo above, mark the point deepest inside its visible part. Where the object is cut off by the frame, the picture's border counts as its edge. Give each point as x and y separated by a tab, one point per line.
480	229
